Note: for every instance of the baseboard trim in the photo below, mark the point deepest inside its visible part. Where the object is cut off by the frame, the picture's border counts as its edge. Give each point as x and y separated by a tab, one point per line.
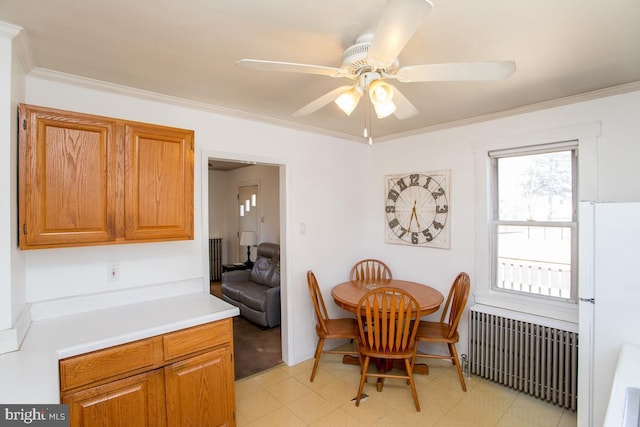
11	339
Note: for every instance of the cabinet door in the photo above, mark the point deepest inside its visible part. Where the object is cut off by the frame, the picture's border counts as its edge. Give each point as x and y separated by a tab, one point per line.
67	182
200	390
158	182
135	401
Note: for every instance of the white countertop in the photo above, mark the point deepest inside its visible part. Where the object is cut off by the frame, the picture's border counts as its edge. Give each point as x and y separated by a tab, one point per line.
30	375
627	375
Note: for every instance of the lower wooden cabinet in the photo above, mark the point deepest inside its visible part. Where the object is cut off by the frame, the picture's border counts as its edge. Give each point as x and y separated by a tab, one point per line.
192	384
196	390
134	401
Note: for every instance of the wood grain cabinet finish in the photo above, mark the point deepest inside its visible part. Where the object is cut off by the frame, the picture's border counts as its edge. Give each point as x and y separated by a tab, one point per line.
145	384
196	390
135	401
158	183
92	180
67	178
122	360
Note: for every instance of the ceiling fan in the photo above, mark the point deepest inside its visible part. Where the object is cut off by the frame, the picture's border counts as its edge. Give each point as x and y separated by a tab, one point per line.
373	59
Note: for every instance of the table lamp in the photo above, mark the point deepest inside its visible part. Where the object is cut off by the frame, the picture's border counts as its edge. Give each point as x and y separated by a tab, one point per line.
248	239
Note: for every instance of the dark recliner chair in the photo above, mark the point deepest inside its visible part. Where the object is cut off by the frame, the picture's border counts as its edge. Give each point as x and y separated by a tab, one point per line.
257	291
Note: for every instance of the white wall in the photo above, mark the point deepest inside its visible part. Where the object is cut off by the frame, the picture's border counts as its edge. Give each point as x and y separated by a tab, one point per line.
6	142
310	162
12	289
334	187
217	211
617	178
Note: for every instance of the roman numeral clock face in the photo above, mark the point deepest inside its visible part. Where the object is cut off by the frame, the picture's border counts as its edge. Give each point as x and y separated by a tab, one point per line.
417	209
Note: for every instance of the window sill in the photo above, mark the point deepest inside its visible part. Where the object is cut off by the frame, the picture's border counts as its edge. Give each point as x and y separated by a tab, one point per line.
550	309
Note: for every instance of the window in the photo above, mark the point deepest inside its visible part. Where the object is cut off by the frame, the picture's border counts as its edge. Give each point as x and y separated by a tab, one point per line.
534	227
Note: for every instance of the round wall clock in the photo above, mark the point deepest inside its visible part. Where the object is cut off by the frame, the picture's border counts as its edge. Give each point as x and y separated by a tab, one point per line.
417	209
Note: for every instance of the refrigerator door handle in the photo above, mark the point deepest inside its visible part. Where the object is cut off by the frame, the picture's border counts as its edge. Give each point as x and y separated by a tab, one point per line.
591	300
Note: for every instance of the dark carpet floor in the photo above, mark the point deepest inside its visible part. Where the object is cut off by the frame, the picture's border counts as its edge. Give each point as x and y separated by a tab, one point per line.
255	349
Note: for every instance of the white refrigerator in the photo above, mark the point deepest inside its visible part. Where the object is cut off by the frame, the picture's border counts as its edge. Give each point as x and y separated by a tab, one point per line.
609	299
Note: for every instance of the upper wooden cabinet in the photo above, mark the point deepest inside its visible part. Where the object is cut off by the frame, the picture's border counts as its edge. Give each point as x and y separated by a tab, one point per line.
158	179
90	180
67	178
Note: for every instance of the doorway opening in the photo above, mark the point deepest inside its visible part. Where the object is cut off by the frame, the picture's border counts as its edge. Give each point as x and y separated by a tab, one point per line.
243	211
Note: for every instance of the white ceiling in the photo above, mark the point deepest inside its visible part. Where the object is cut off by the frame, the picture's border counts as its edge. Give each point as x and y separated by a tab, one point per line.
188	49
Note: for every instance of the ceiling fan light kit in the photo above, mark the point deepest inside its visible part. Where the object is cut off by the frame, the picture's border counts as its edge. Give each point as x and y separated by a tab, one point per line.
348	100
373	58
381	94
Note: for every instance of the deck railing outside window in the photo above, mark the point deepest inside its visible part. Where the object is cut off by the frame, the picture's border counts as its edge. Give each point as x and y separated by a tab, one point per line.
540	278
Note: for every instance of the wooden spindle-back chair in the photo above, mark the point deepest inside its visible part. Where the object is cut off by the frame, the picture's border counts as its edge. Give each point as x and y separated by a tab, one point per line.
327	328
387	325
370	269
446	330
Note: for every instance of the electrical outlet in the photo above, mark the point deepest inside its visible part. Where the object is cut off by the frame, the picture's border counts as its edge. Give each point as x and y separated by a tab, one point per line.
113	272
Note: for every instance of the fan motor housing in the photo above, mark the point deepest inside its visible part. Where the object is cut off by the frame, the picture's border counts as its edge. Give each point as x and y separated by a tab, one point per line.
354	58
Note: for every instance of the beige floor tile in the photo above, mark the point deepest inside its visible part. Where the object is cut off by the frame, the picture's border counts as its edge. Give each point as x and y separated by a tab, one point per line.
255	406
456	419
530	411
288	390
340	391
322	379
569	419
292	371
370	410
281	417
397	418
284	396
482	406
271	377
336	418
246	387
311	407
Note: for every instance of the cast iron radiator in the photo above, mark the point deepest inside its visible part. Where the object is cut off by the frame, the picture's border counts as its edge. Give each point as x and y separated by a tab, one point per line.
215	259
535	359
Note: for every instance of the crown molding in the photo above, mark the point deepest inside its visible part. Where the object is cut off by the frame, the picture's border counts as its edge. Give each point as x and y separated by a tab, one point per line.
9	31
20	44
100	85
545	105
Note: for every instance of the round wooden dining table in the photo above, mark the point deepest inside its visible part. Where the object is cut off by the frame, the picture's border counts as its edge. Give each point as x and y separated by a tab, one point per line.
347	295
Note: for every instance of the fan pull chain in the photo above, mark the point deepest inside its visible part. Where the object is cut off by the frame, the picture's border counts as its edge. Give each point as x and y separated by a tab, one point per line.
367	115
369	119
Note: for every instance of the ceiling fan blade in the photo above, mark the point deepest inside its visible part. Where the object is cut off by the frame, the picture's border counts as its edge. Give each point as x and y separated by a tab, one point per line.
404	107
399	21
291	67
321	101
456	71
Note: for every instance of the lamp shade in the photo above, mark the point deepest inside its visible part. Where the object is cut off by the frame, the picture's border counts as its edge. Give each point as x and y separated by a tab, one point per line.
248	238
384	109
348	100
380	91
381	94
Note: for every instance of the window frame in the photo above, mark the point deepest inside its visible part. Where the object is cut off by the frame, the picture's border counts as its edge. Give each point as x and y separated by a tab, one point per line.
506	137
496	222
